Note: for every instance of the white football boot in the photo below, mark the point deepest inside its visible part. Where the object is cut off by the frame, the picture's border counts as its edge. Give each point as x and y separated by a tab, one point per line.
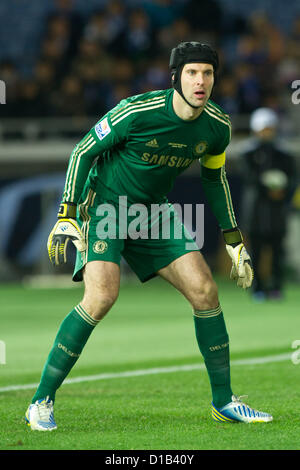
237	411
39	415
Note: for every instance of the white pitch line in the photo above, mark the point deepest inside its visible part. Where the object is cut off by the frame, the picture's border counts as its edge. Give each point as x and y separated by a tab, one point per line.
153	371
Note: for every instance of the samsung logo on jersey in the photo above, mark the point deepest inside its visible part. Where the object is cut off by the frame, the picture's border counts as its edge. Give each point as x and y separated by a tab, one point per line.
166	160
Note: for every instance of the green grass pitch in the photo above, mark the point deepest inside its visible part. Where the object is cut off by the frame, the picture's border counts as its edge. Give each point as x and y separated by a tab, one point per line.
150	326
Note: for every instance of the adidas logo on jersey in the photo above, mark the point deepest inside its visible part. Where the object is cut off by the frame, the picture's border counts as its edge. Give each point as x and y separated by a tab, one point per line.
152	143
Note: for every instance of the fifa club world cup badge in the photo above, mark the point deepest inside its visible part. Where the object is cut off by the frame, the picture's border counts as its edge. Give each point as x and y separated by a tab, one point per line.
102	129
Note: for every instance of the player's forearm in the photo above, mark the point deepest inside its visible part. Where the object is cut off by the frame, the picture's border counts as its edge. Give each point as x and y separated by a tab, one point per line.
80	163
217	192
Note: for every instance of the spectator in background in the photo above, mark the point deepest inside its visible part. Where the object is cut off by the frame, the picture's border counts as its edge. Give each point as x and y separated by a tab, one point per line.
296	29
251	51
96	29
115	95
227	93
172	34
295	37
93	56
139	37
107	27
69	100
30	102
268	37
45	75
59	30
95	90
269	182
66	9
123	71
270	42
289	66
92	66
162	12
58	44
157	75
116	17
248	87
54	55
123	78
205	17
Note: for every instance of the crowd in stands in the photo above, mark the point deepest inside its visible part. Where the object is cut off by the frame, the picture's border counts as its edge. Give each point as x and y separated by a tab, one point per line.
86	65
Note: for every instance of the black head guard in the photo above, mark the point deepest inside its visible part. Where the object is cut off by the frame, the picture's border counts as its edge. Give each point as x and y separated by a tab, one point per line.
188	53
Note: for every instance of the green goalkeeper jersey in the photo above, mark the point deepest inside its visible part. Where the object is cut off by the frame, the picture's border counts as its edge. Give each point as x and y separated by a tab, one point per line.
139	148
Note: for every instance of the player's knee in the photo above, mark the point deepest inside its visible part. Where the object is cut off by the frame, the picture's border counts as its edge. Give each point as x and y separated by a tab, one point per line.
98	303
205	295
106	301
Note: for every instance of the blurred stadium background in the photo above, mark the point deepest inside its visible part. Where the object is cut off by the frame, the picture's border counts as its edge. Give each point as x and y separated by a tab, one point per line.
66	62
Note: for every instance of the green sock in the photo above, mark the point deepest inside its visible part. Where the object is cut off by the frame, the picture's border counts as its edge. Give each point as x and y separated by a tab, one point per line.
69	342
213	343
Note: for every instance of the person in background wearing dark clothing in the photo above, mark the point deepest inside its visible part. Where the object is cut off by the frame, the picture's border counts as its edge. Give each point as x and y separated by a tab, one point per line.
269	182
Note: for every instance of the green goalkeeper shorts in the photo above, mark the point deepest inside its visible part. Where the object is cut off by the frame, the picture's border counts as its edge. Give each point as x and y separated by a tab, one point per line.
147	237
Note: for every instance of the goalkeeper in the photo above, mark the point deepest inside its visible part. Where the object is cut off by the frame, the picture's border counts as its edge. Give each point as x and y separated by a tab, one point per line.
136	151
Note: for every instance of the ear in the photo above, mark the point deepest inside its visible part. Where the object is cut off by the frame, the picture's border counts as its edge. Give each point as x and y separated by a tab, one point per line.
173	78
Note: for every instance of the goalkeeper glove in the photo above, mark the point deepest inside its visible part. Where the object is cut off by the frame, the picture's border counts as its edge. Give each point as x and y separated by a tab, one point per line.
65	229
241	270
